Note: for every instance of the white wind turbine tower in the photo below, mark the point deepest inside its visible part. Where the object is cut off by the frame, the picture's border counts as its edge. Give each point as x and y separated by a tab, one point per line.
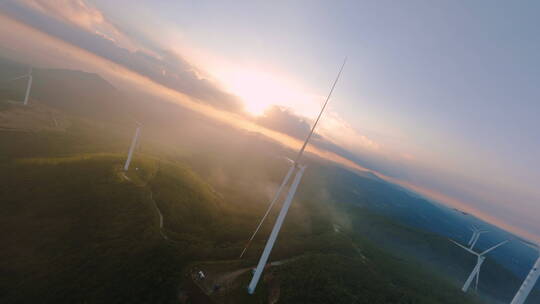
28	85
133	145
528	283
480	258
295	166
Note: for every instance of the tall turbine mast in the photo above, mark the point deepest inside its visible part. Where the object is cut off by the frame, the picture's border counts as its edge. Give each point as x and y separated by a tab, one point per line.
295	166
133	145
528	283
28	85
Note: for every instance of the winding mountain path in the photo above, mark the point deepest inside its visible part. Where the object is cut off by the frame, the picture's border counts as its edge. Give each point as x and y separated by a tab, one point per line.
160	215
151	197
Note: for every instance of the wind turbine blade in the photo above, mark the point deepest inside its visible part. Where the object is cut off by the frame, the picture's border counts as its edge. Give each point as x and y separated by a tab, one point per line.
274	200
533	246
320	114
474	274
472	237
477	279
17	78
275	231
28	88
471	277
475	240
469	250
494	247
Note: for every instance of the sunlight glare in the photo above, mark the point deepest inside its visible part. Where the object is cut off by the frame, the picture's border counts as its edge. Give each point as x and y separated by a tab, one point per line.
259	91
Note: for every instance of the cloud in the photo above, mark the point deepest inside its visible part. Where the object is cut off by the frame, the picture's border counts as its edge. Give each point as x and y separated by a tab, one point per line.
333	134
285	121
83	15
343	134
90	30
27	43
332	129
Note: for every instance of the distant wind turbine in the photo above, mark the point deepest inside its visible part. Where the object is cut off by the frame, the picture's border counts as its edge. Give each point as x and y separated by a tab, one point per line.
28	85
133	145
480	258
529	282
476	235
298	171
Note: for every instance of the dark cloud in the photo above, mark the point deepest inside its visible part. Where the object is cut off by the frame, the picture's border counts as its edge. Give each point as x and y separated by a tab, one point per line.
285	121
165	68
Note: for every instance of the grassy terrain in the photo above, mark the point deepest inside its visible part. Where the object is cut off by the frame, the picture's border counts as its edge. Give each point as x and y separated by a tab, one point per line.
333	278
76	231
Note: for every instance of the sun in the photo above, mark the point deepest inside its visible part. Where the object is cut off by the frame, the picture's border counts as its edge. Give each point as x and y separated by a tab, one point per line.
260	90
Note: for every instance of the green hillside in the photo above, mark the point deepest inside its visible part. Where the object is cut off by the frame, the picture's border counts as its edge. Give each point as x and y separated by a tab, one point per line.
74	231
333	278
77	230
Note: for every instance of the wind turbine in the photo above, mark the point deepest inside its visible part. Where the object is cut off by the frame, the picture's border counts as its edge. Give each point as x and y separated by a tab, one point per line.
529	282
28	85
298	171
133	145
480	258
476	235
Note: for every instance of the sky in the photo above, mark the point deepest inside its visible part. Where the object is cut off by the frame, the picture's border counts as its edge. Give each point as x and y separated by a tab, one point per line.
441	97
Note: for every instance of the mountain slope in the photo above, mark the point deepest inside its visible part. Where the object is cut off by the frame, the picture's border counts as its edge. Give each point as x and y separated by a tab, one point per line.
78	231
